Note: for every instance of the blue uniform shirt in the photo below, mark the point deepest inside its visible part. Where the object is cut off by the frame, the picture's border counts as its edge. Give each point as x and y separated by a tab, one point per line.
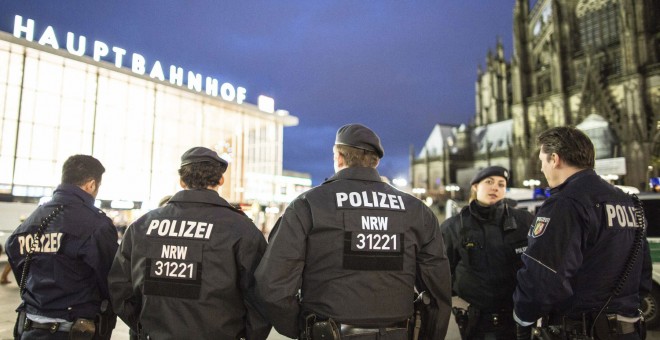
579	243
69	270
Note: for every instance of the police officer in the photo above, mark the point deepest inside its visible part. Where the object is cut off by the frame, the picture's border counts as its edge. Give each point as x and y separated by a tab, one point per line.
484	244
581	267
356	248
185	270
61	255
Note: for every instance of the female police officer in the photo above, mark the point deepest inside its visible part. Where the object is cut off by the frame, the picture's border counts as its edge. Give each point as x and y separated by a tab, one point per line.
484	243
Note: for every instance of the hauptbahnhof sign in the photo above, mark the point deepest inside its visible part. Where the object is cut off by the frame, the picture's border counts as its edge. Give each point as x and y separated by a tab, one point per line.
24	28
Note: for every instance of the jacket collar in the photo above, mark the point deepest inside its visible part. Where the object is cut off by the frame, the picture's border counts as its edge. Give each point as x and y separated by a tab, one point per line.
574	177
356	173
200	196
72	190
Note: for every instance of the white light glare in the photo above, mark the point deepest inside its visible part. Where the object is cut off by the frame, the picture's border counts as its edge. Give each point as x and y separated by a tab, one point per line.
400	182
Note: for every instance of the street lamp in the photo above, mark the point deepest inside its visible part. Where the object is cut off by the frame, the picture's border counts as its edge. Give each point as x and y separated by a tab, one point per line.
419	192
400	182
531	183
452	188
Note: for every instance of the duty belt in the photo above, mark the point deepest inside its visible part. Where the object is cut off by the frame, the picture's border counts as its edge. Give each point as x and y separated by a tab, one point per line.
350	329
622	327
354	330
52	327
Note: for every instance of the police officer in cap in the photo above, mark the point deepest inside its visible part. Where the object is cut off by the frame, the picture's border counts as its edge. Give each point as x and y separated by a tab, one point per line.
61	255
185	270
347	255
587	264
484	242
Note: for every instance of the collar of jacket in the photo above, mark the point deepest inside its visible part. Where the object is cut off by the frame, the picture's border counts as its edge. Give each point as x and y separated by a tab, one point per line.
484	213
574	177
356	173
201	196
72	190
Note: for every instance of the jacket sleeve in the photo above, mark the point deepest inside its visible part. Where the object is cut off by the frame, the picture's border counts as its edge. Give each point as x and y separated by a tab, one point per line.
124	300
99	252
550	261
433	276
279	275
450	237
249	254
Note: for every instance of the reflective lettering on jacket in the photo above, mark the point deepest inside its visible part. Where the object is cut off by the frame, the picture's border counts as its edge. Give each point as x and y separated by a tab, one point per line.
369	199
180	229
48	243
621	216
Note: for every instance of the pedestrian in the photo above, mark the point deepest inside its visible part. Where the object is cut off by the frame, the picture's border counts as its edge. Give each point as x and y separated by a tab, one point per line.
61	255
356	248
5	271
587	263
185	270
484	242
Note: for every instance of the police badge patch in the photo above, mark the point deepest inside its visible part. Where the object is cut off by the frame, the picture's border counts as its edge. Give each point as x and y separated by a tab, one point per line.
540	225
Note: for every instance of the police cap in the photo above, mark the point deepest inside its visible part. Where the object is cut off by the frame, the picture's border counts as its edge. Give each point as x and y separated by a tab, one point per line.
361	137
200	154
490	171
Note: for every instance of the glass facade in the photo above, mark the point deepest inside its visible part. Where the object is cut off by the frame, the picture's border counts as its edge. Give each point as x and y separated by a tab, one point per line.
53	105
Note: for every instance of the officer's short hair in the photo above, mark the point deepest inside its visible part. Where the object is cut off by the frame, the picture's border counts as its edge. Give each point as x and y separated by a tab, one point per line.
201	167
79	169
201	175
357	157
572	145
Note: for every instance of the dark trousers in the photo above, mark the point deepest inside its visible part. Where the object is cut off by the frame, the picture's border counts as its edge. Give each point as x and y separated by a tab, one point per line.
491	326
42	334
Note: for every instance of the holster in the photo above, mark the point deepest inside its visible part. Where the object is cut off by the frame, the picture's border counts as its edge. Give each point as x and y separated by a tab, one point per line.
82	329
20	324
325	330
320	330
461	317
105	323
473	317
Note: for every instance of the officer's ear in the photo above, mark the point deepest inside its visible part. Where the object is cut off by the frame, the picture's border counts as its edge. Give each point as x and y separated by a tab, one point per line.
557	161
222	180
182	183
91	187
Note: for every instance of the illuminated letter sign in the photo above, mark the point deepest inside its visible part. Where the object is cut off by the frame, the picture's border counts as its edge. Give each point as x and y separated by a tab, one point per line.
139	64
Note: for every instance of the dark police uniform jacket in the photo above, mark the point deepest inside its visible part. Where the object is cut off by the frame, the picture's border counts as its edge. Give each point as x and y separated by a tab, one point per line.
355	247
578	246
185	271
68	272
484	253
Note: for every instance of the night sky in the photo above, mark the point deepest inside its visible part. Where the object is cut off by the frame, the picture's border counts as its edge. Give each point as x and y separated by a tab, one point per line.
398	67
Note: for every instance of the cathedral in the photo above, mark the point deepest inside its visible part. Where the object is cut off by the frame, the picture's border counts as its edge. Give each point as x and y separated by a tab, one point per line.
593	64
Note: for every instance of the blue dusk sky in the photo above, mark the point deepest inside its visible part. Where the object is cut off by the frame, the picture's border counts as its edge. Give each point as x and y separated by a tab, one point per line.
398	67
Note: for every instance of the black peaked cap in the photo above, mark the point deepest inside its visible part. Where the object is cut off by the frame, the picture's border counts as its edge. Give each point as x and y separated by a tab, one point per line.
361	137
200	154
490	171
